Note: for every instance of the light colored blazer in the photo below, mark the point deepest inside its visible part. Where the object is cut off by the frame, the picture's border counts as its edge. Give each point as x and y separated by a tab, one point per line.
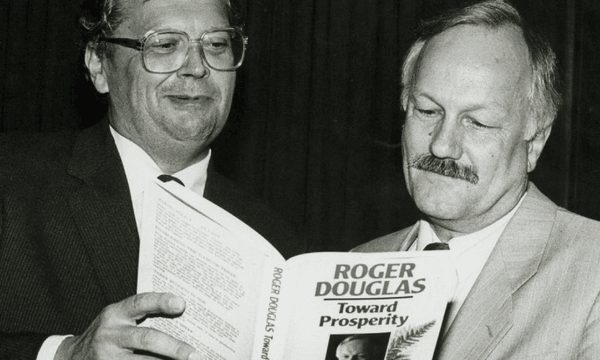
537	297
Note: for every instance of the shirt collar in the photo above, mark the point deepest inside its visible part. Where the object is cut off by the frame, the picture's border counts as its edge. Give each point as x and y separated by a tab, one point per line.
464	242
139	166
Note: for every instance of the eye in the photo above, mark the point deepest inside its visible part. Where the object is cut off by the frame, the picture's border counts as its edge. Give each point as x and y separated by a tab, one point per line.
477	124
425	109
427	113
217	43
165	43
164	47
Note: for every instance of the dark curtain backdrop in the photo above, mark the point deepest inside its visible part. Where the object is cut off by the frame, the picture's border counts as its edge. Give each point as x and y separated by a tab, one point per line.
316	124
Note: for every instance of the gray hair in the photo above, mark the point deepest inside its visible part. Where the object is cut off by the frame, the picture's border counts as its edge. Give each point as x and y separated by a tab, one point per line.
543	95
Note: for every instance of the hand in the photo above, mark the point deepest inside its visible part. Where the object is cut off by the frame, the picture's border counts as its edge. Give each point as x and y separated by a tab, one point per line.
114	334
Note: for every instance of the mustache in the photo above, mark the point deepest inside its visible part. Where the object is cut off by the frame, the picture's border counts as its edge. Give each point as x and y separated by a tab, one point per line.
447	167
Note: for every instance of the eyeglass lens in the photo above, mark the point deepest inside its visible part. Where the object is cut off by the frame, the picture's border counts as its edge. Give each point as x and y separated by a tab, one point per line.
167	51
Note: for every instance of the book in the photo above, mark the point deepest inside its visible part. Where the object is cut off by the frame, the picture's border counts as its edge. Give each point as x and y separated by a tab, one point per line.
244	301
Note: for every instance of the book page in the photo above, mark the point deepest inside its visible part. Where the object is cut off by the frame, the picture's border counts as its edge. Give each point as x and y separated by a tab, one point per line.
192	248
389	305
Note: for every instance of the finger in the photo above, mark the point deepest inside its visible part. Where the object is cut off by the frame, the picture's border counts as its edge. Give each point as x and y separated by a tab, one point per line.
141	305
146	341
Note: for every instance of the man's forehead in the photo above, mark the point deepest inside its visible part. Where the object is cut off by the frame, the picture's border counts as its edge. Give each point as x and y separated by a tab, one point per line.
478	45
354	344
145	15
223	2
474	58
136	4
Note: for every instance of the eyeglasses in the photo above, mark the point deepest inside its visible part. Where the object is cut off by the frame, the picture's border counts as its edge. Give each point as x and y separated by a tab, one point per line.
166	51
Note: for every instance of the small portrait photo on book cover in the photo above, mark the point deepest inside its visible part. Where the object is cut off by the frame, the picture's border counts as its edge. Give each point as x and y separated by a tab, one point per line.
357	346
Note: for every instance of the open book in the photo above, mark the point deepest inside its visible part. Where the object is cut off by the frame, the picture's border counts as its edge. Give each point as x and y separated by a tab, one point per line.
245	301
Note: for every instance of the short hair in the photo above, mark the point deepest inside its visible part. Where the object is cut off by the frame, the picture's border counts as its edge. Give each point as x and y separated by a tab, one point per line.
100	18
543	95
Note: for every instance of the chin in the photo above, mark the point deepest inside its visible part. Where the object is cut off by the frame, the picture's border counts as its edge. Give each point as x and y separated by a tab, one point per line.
440	211
440	202
189	124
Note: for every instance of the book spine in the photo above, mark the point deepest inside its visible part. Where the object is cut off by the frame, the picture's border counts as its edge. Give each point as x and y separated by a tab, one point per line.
271	320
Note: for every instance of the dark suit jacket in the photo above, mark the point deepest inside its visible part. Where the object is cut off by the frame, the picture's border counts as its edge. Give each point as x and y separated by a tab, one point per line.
538	295
68	239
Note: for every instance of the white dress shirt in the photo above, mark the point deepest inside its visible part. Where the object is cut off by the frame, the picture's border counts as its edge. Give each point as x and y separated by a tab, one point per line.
139	168
469	254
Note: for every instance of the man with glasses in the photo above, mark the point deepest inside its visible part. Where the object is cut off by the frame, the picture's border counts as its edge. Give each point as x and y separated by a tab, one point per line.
71	203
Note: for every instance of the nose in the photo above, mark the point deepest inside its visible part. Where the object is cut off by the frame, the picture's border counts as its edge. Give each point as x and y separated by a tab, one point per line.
194	64
446	139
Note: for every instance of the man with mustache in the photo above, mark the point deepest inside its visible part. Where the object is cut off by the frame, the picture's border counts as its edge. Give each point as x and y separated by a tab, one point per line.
71	203
480	94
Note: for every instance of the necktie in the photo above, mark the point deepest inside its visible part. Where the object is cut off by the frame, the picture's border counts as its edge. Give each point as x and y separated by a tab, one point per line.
437	246
165	178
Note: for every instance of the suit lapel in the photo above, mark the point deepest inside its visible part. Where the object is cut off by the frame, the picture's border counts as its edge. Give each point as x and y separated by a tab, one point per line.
398	241
410	238
487	313
103	212
484	318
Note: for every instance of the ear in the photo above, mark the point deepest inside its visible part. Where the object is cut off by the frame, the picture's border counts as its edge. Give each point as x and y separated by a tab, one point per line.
96	68
535	147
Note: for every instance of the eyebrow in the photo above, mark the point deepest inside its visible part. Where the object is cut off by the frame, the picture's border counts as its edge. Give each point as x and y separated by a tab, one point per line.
413	97
492	108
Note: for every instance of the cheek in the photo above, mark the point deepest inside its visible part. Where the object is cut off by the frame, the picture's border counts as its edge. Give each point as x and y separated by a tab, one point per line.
128	86
416	140
501	164
517	161
227	85
148	90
